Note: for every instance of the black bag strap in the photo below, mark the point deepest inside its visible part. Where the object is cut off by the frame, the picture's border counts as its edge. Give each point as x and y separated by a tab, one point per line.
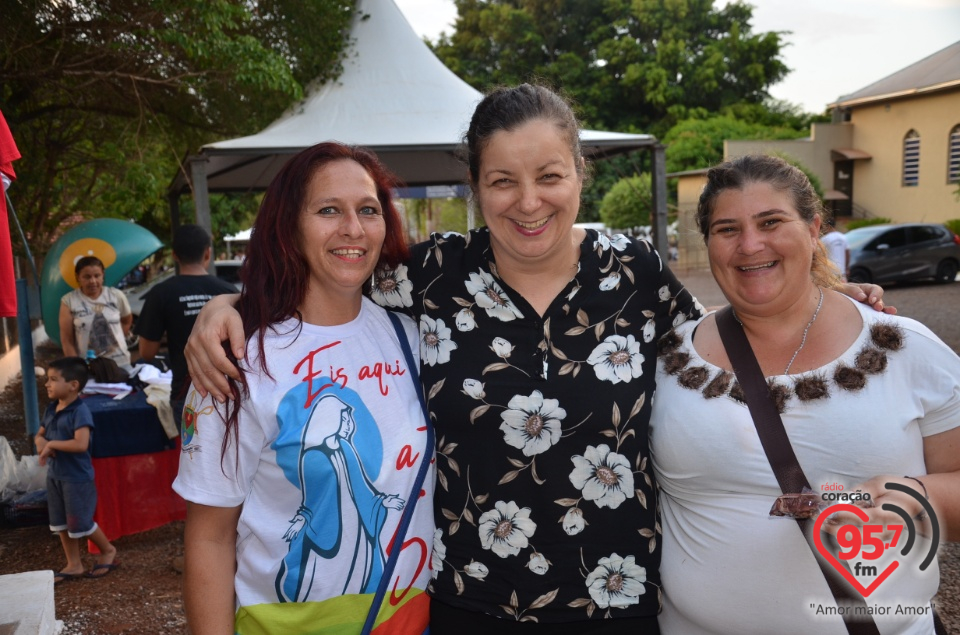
780	454
407	516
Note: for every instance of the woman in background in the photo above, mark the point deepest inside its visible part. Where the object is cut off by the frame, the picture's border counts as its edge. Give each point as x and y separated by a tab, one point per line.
95	317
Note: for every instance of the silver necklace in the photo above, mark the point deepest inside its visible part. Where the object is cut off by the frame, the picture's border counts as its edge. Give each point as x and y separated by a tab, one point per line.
803	340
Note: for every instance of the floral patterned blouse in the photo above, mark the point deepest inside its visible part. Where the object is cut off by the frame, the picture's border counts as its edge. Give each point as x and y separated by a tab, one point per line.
545	505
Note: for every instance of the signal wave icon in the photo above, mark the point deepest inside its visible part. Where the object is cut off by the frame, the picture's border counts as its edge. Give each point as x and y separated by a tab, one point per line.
853	538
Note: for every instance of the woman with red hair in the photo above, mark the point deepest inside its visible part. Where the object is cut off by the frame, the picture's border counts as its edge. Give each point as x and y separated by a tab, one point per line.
296	486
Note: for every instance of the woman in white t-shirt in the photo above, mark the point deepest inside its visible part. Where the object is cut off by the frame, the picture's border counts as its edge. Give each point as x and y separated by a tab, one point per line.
95	317
295	486
866	400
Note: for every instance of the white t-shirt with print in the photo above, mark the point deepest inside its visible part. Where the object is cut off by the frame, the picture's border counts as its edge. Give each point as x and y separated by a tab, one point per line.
96	323
328	453
728	566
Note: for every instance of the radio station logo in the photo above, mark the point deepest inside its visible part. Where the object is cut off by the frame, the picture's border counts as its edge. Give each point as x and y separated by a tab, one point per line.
867	540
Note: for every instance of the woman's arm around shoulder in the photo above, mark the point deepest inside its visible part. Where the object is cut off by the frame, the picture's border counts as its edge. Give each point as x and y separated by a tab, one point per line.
207	363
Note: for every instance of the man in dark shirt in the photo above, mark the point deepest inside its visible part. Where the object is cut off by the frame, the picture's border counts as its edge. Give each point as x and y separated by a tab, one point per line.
172	307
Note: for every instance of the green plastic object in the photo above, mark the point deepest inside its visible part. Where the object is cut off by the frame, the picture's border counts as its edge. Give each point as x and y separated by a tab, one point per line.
121	245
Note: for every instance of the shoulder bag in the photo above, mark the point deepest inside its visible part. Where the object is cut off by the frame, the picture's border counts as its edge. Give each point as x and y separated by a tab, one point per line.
407	515
780	454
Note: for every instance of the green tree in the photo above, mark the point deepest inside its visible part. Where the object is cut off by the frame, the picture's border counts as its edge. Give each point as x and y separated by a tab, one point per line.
105	96
630	64
628	203
698	143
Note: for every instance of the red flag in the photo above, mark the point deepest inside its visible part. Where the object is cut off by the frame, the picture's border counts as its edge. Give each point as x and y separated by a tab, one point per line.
8	288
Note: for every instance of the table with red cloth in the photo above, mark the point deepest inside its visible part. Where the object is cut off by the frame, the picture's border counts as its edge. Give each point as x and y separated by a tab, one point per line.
134	466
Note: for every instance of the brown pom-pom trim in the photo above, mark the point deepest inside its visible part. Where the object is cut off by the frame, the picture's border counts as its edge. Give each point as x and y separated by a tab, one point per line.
849	378
811	388
668	343
693	378
887	336
673	363
871	360
780	394
718	385
737	392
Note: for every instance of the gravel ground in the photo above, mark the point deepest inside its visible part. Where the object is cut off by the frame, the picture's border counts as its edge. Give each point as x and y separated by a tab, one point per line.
143	596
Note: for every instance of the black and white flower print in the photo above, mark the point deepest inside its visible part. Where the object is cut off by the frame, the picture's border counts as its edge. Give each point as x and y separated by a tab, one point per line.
616	582
617	359
439	552
501	347
435	342
612	281
538	563
618	241
649	330
473	388
476	570
602	476
391	288
465	320
506	529
489	295
532	424
573	521
538	456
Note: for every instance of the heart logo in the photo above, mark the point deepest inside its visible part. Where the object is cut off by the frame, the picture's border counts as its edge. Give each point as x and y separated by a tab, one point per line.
839	566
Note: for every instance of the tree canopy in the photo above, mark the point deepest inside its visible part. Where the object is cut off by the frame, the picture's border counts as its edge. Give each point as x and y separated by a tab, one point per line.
698	143
105	96
628	203
631	65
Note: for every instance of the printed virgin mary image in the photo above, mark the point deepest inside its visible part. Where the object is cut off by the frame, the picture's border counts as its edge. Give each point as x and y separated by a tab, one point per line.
335	533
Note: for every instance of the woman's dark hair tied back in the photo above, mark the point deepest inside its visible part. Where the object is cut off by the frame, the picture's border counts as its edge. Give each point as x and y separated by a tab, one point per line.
507	108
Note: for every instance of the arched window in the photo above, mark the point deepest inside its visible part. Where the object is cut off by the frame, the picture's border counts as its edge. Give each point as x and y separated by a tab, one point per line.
911	159
953	156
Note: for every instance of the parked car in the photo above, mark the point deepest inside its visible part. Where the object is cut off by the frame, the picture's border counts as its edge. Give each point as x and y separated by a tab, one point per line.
912	251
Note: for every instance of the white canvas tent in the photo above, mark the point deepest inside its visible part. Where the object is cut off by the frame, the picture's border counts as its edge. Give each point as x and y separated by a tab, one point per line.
395	97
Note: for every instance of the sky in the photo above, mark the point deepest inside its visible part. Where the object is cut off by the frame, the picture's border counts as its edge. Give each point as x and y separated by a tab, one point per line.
835	47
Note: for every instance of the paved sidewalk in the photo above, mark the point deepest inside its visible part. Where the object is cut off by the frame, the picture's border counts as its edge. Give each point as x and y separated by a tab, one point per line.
701	284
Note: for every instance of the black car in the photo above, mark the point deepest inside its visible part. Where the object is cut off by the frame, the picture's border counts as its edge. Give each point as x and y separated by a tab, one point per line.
912	251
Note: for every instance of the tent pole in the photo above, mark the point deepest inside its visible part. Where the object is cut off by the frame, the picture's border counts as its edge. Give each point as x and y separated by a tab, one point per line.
659	183
31	408
201	197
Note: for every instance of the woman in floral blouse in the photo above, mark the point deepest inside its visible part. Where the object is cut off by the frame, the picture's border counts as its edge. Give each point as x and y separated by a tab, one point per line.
538	349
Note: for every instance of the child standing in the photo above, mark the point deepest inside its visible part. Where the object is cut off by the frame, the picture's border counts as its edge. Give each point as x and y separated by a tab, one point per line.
63	443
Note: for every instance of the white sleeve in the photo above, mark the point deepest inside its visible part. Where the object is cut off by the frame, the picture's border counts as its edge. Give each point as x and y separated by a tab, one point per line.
122	303
939	389
211	474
